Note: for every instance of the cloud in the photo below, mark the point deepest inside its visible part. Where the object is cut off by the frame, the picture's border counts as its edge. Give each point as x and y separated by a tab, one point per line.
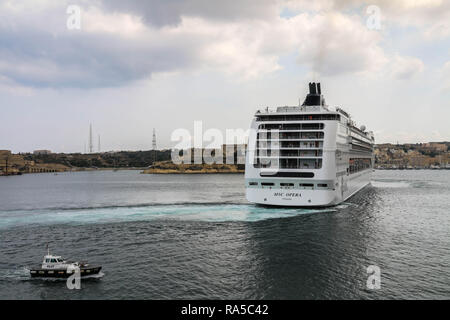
330	44
335	43
402	67
446	75
163	13
125	41
430	17
110	50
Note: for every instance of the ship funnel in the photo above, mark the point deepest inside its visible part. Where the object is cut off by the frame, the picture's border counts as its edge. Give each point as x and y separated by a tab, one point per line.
312	88
314	97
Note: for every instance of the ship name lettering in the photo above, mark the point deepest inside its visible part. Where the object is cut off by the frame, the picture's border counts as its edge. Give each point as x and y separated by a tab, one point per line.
293	194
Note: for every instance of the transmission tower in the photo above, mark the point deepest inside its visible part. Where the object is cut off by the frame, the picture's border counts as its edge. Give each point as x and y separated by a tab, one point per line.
154	146
91	145
154	140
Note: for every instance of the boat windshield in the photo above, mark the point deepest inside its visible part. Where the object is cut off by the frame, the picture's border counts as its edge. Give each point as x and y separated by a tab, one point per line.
54	260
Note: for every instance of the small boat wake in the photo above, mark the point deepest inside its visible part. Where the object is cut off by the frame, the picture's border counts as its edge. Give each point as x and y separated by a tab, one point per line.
94	276
18	274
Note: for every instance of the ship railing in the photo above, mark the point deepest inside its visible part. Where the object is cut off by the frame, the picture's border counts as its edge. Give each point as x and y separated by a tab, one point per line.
289	157
288	148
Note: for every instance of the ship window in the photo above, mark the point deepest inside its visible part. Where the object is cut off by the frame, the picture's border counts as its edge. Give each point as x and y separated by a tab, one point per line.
47	260
286	184
253	184
322	185
290	126
267	184
298	117
289	174
359	164
310	185
53	260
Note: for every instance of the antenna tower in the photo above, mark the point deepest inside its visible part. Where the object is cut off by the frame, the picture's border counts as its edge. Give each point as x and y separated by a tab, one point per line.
154	140
91	146
154	146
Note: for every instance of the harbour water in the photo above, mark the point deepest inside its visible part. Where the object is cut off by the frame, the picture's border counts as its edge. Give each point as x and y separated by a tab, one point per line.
196	237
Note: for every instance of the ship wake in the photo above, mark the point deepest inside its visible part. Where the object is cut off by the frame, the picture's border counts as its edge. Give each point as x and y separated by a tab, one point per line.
217	212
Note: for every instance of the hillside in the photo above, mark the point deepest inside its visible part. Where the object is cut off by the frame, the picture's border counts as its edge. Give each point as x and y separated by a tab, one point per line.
165	167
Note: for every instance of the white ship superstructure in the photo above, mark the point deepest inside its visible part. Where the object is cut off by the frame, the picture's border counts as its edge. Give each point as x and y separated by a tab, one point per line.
307	155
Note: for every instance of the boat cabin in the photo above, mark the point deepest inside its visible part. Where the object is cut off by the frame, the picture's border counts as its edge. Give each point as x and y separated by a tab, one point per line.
54	262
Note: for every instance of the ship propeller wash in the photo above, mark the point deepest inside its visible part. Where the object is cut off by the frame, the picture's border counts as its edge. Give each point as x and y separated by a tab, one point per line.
307	155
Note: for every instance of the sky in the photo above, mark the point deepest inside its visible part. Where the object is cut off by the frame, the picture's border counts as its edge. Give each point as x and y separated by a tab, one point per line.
130	66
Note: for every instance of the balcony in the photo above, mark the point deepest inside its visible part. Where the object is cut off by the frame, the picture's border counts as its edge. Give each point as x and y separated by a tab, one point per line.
288	163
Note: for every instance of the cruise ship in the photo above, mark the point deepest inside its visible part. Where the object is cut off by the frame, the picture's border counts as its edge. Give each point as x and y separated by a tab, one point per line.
309	155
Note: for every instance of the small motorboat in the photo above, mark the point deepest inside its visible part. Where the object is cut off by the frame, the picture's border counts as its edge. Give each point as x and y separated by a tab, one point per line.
56	267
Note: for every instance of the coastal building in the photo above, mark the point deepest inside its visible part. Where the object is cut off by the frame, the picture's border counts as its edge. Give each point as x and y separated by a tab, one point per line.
40	152
16	164
230	154
10	163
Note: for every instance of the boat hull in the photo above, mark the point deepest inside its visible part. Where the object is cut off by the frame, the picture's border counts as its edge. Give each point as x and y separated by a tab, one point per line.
62	273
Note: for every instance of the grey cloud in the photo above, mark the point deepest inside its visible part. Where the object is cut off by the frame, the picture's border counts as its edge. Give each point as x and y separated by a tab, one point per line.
169	12
36	50
83	60
341	45
41	52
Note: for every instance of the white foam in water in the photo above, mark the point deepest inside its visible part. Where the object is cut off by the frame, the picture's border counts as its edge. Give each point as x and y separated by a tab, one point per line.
95	276
390	184
344	205
21	273
211	213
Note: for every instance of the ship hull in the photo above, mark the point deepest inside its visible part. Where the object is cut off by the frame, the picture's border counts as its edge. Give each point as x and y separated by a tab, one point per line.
62	273
346	188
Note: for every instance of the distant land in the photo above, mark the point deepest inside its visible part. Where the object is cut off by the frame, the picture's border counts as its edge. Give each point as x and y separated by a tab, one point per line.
45	161
432	155
167	167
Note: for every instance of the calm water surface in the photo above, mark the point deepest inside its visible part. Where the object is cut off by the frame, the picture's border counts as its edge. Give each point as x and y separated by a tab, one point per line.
195	236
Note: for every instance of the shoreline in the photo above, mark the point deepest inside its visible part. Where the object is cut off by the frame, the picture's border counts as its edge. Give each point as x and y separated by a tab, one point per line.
147	170
71	170
182	172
